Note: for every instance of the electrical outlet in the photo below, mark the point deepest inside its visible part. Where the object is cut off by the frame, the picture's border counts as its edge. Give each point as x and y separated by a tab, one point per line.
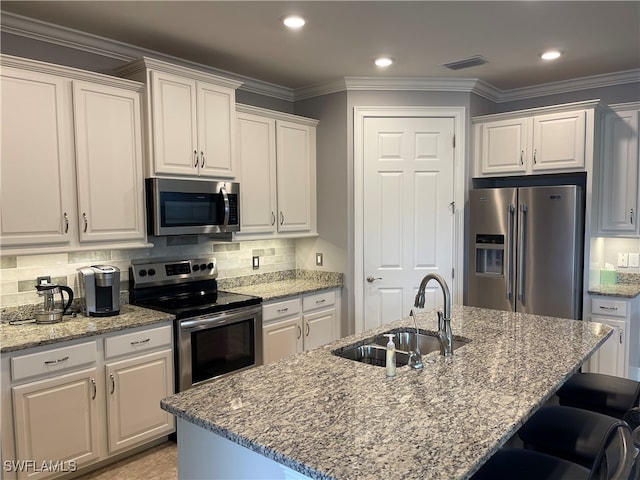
256	262
623	260
44	280
634	260
318	259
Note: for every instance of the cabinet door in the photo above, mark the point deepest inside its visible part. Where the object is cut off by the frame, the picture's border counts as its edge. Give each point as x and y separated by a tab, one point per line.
320	328
134	389
216	130
295	146
174	124
559	141
282	339
612	357
57	419
108	163
504	146
619	178
36	172
256	149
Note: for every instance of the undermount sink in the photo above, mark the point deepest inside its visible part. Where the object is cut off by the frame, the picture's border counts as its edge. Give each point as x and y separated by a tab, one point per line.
373	351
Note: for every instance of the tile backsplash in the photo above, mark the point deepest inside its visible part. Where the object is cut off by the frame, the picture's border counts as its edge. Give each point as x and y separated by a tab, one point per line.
18	274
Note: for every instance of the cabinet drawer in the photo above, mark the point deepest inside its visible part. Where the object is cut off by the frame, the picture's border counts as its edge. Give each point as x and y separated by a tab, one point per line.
54	360
319	300
273	311
614	308
138	341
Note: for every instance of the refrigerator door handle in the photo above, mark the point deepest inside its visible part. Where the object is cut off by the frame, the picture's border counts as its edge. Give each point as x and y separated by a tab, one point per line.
522	227
509	250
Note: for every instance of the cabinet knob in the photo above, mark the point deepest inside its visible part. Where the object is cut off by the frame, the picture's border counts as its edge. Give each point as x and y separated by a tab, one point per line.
195	159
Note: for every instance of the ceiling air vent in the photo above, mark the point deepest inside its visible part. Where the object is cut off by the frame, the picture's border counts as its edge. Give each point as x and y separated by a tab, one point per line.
466	63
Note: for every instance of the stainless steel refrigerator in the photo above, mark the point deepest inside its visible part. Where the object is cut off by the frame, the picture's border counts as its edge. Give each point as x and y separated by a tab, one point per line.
525	250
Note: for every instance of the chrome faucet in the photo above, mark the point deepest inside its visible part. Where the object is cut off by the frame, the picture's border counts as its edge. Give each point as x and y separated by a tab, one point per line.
444	319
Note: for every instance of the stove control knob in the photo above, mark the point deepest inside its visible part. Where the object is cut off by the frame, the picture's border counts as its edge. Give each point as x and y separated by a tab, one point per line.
152	272
203	266
210	266
196	268
142	273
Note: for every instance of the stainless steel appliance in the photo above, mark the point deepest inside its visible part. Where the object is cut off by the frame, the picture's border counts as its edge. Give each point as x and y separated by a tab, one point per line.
100	286
50	313
192	207
525	249
216	333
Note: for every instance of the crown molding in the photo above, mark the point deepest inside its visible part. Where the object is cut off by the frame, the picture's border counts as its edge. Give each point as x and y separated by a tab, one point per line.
69	38
66	37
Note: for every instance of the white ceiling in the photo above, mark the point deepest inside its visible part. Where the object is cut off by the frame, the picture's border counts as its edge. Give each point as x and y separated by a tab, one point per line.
341	38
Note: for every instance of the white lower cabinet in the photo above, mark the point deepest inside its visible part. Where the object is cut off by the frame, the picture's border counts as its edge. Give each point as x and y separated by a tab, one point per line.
300	323
619	355
70	405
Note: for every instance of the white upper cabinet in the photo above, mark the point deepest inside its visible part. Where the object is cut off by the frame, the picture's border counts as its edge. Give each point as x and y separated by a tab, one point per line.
190	120
37	159
277	161
546	140
71	168
619	175
108	134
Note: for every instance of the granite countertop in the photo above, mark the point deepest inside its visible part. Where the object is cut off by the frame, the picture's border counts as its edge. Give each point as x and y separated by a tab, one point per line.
329	417
625	290
280	286
27	335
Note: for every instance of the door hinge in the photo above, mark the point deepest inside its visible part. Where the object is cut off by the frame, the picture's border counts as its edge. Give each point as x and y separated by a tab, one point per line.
453	273
454	141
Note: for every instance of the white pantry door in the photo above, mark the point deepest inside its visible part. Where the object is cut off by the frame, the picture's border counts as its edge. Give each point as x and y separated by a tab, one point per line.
408	191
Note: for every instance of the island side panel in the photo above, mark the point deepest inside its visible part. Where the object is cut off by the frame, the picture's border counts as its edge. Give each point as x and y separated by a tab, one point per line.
204	454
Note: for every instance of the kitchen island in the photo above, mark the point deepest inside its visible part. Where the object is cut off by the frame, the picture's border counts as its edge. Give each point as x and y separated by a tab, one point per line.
318	415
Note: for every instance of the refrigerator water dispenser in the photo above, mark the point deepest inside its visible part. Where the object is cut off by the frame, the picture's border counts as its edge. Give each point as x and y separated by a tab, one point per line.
490	254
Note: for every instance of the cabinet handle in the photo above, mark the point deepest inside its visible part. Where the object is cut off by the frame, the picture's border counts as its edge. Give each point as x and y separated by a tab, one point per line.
202	155
308	329
53	362
66	223
321	301
113	383
620	333
608	308
273	218
631	214
95	388
281	218
282	310
86	222
521	157
195	159
299	331
140	342
535	156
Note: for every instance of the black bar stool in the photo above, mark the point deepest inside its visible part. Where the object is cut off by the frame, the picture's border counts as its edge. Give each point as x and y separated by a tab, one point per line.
566	443
601	393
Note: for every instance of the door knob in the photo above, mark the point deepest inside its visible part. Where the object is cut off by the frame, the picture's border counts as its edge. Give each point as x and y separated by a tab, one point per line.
371	279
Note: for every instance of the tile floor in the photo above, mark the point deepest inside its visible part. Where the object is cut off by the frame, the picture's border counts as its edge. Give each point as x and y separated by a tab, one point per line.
157	463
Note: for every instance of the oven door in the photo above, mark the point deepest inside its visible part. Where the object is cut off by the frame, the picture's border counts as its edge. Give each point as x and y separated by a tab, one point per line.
216	345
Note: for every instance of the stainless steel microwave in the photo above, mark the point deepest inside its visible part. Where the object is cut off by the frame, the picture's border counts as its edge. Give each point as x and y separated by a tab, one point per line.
192	207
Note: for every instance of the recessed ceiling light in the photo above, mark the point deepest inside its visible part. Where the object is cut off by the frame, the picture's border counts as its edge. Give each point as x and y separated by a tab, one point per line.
383	61
294	21
551	54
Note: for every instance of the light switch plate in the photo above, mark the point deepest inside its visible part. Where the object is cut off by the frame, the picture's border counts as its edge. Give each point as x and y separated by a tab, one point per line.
634	260
319	259
623	260
255	262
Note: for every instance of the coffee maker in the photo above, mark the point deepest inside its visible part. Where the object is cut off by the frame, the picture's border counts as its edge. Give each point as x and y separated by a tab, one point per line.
100	286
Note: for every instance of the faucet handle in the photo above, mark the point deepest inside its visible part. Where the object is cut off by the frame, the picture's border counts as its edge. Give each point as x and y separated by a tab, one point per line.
415	359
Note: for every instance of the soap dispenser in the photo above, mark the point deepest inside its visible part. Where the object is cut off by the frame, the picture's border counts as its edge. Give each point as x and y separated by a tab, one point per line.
391	356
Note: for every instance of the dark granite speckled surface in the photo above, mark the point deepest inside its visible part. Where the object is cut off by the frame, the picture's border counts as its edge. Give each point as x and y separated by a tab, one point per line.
328	417
18	337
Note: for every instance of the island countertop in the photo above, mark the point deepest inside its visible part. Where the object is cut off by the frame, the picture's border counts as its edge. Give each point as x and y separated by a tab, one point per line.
329	417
